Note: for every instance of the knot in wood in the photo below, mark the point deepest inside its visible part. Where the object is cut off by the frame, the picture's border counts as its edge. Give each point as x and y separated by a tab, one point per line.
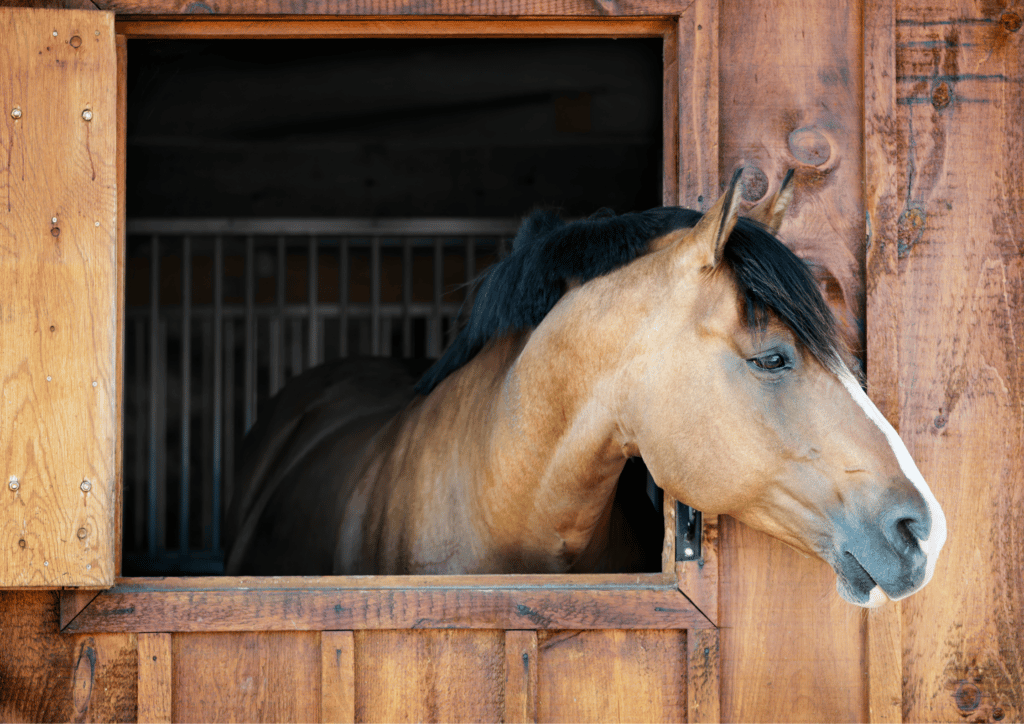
967	696
1011	21
941	95
754	183
809	146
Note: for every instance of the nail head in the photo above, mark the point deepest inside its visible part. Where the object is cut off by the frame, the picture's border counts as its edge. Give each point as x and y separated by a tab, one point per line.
86	486
55	33
15	113
87	114
94	383
82	533
14	483
76	42
53	220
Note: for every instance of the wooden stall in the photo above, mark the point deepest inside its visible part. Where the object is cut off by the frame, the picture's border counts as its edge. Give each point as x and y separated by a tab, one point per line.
902	121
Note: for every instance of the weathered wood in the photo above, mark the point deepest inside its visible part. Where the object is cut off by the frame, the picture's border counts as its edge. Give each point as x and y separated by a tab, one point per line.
883	313
246	677
521	666
412	27
703	680
155	674
337	676
553	8
58	346
612	676
697	64
698	580
960	378
121	167
203	604
72	601
448	676
791	97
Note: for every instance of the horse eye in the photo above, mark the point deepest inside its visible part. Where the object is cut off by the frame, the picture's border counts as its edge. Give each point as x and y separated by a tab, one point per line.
773	361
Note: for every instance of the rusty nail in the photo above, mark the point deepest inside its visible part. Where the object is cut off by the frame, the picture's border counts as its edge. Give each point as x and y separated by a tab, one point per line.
997	713
87	114
14	483
941	95
86	486
21	543
15	113
82	532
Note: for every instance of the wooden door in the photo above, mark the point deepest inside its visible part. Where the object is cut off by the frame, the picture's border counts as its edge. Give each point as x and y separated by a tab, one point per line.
59	299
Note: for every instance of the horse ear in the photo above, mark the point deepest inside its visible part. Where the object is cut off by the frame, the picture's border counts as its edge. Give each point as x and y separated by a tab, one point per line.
712	232
771	210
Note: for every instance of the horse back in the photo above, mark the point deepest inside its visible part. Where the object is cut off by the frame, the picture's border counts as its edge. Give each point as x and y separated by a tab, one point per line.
296	464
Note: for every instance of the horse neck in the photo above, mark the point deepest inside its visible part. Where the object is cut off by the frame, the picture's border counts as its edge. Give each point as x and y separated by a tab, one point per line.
555	446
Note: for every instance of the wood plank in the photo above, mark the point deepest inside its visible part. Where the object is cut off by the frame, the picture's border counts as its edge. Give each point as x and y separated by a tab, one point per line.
960	100
553	8
670	117
337	676
246	677
520	677
792	650
697	64
72	601
703	680
58	341
449	676
408	27
612	676
188	607
698	580
121	160
883	313
49	676
155	673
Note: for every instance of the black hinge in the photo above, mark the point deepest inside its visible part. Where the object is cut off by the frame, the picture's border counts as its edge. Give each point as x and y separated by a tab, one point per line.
689	524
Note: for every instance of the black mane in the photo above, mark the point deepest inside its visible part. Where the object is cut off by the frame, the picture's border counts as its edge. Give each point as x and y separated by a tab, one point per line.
516	293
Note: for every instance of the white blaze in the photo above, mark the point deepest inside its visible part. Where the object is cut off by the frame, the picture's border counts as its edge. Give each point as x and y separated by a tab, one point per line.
937	535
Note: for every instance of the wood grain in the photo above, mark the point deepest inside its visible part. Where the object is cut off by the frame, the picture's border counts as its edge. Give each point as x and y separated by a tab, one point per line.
520	677
697	65
246	677
704	681
447	676
214	605
49	676
698	580
155	674
960	369
553	8
265	26
791	649
612	676
337	677
58	298
883	313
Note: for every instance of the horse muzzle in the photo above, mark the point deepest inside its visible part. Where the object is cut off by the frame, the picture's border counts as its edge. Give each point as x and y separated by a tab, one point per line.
882	552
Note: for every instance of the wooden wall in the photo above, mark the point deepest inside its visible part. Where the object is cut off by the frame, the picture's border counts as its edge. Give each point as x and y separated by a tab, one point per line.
907	136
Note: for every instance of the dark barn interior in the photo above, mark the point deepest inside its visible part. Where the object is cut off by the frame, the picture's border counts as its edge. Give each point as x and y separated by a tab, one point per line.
295	201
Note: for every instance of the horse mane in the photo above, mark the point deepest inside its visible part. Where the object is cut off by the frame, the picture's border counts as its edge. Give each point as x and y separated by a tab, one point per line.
547	253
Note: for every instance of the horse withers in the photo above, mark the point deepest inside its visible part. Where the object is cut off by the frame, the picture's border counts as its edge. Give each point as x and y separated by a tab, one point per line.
699	343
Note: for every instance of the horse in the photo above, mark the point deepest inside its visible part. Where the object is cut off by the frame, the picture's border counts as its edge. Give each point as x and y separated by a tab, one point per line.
697	342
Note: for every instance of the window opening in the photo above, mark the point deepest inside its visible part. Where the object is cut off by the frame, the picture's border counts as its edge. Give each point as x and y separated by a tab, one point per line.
290	202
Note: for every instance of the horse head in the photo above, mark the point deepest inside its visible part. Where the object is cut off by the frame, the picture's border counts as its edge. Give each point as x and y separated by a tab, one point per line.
740	402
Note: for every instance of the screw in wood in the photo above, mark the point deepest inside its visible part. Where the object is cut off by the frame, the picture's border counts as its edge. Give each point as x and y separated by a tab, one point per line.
82	533
86	486
14	483
87	114
15	113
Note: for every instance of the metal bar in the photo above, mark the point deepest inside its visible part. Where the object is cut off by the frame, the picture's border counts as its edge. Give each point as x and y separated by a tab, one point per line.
186	392
218	387
277	323
406	297
161	435
296	345
229	405
375	345
140	476
324	309
313	284
155	387
470	273
434	343
249	394
343	312
439	226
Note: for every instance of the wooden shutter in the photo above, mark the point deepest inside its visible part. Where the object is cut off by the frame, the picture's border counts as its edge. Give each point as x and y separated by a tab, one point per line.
59	301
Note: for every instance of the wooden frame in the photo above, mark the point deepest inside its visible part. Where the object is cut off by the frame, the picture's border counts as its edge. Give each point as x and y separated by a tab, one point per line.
683	596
